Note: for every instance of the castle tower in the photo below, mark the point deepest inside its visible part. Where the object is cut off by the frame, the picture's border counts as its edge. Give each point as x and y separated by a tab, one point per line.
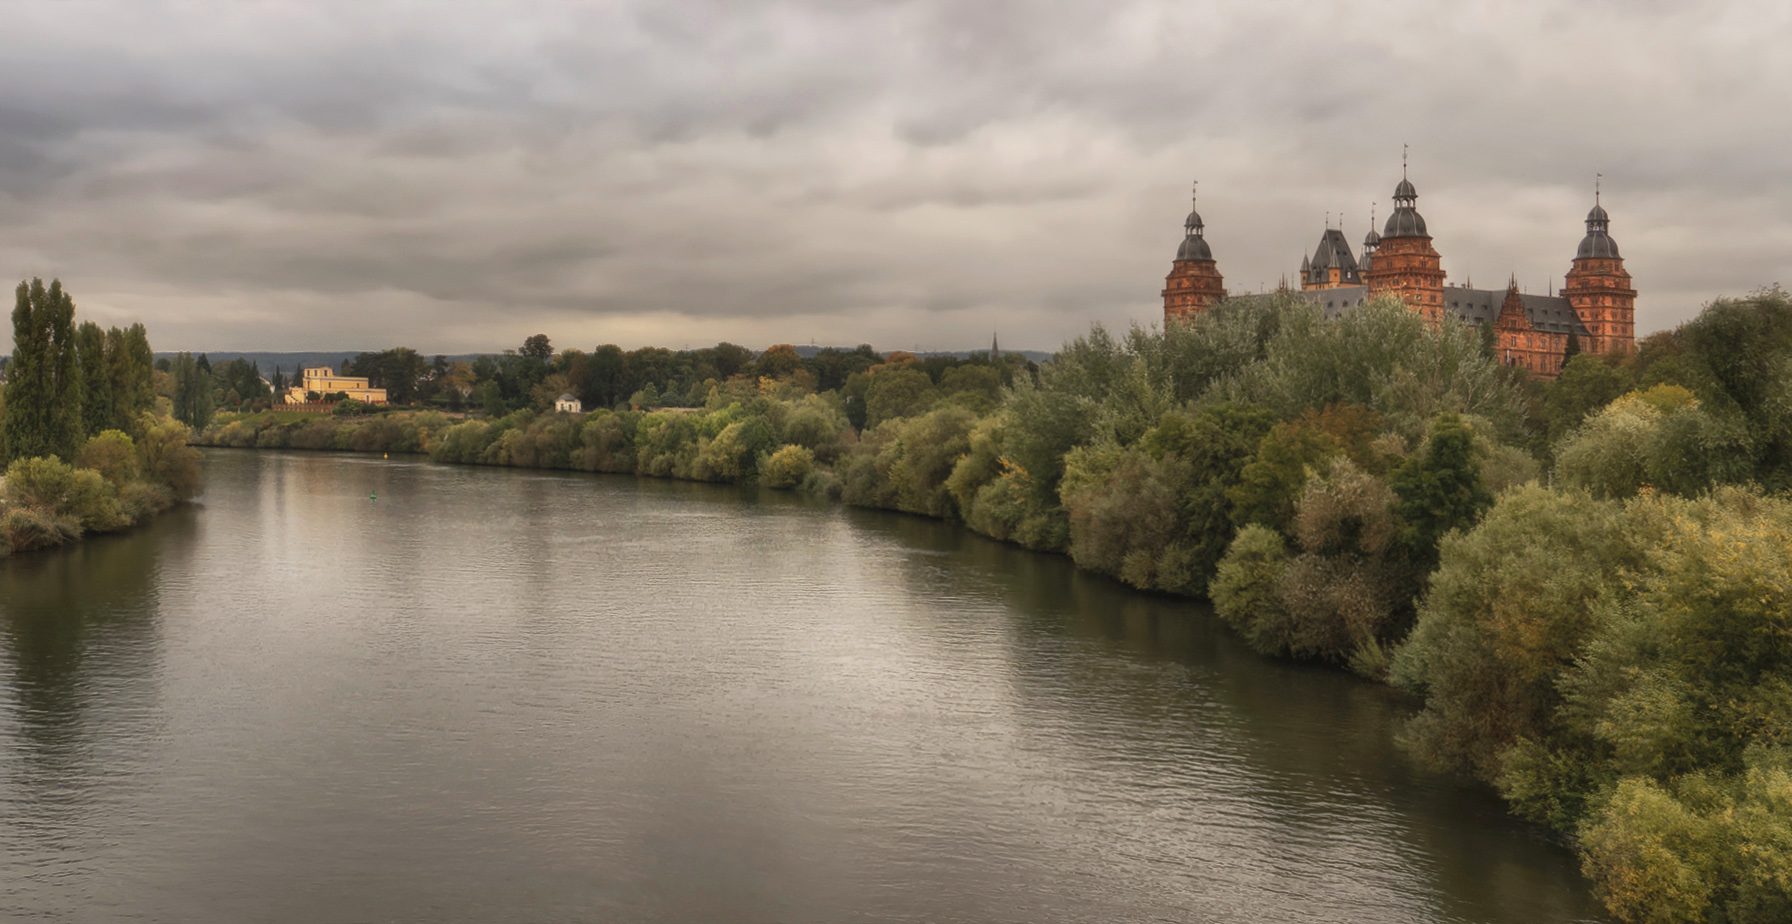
1405	263
1331	266
1371	241
1598	288
1194	283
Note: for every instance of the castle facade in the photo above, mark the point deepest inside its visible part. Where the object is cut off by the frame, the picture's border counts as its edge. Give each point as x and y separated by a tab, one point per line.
1596	306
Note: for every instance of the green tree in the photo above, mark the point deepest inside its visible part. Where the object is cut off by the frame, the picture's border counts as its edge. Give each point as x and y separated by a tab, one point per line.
43	389
1587	383
1509	607
1439	491
1271	484
97	404
400	370
538	347
894	393
193	402
132	366
777	362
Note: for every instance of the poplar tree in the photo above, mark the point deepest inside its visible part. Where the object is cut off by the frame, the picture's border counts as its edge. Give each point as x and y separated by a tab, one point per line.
43	389
96	379
136	387
192	392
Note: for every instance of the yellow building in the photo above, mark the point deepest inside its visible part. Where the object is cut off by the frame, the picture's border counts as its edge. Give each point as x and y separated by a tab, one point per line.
323	380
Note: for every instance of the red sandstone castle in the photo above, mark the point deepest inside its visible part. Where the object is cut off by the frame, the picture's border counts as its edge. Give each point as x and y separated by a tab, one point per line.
1597	305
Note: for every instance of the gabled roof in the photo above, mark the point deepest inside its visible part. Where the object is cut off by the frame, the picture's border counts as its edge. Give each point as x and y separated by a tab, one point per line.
1333	252
1549	314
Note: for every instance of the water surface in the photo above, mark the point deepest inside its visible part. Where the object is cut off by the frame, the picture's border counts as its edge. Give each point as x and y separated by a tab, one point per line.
496	695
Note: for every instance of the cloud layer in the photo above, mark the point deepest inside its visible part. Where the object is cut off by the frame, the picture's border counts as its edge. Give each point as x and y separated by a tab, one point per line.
454	178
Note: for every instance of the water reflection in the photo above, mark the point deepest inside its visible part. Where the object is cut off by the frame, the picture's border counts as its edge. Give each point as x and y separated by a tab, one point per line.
494	695
1310	750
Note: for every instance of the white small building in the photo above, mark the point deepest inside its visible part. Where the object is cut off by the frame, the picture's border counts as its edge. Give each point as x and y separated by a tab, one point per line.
568	404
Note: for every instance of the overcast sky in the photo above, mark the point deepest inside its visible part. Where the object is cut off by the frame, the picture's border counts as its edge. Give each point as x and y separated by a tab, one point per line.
454	177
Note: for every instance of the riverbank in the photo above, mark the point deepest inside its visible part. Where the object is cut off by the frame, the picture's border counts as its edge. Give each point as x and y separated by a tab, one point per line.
1369	493
518	696
116	482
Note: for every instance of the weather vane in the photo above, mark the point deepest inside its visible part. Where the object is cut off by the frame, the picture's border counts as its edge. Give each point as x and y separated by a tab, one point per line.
1596	178
1403	148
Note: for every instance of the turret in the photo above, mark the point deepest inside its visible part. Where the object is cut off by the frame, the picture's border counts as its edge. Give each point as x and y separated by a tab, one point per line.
1194	283
1598	288
1404	261
1371	242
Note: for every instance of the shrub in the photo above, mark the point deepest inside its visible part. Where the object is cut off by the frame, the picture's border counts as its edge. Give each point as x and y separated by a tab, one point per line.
787	468
163	456
113	455
27	528
1246	591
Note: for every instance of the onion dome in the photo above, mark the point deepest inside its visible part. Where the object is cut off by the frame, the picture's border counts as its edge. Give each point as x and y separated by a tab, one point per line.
1371	241
1597	244
1406	221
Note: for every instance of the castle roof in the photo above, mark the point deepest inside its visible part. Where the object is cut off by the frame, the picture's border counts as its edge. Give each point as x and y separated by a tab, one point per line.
1333	252
1549	314
1194	247
1406	220
1598	244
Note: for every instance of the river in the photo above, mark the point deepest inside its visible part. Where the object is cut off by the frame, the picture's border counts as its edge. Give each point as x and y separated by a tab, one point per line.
343	688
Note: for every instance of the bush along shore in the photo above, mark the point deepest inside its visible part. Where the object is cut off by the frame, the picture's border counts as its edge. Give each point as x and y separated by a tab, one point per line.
1586	586
86	447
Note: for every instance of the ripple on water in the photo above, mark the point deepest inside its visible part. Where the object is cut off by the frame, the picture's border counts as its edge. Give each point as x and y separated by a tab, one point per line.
519	696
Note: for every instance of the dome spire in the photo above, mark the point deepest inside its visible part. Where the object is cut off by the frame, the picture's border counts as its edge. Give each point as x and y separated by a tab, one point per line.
1194	224
1598	243
1406	221
1194	243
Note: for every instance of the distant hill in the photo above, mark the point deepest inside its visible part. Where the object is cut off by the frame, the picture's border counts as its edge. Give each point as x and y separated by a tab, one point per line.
287	362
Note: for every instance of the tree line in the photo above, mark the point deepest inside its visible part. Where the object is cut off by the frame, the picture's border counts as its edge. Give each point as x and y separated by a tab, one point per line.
84	444
1583	584
533	376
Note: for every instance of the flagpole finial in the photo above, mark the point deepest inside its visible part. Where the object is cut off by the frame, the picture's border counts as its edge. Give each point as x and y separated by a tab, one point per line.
1403	150
1596	178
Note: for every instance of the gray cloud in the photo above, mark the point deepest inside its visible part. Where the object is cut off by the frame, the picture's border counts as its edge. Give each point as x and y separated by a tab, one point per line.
905	173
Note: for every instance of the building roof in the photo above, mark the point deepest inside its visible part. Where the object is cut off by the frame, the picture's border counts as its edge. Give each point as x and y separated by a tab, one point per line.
1194	247
1549	314
1333	252
1598	243
566	397
1406	220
